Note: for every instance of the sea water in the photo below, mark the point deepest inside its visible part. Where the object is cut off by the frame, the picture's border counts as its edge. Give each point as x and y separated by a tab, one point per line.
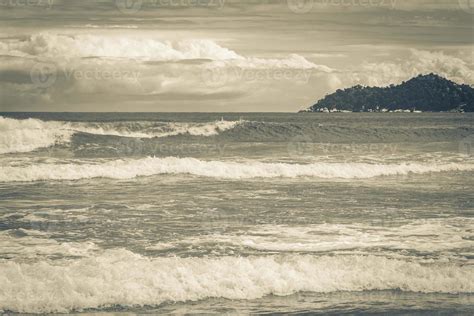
236	213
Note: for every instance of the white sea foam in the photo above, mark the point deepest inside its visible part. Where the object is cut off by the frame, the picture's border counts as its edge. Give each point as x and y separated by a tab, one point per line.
128	169
119	277
31	134
35	244
426	236
149	130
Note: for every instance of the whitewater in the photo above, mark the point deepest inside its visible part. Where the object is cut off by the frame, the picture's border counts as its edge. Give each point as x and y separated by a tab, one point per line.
30	134
239	213
128	169
121	277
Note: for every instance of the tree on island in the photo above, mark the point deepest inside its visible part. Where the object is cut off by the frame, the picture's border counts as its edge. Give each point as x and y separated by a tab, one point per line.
427	93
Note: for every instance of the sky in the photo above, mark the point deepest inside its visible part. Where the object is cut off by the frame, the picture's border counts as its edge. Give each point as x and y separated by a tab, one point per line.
221	55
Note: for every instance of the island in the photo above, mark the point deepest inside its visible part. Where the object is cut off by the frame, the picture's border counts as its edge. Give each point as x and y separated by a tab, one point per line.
424	93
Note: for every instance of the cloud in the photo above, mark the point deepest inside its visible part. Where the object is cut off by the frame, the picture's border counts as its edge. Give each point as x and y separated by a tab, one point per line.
100	68
59	48
457	68
49	45
328	55
103	68
294	61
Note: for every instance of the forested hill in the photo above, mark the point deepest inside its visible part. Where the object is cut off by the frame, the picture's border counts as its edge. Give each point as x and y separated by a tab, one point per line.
430	93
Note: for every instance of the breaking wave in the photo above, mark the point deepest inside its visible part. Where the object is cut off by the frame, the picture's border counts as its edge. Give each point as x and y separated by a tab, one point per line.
119	277
131	168
31	134
155	129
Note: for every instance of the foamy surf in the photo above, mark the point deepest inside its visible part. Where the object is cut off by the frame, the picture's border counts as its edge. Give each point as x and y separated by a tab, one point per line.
423	236
154	129
31	134
129	169
28	135
120	277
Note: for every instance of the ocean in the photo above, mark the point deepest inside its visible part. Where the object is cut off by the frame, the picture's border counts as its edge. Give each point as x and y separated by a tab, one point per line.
237	213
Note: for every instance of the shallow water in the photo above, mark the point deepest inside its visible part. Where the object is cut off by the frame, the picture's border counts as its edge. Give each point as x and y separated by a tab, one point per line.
237	213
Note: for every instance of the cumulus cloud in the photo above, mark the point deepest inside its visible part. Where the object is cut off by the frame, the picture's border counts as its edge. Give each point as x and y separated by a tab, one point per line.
106	67
457	68
49	45
65	47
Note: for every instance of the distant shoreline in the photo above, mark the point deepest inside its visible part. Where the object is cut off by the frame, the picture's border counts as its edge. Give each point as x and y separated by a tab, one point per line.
384	112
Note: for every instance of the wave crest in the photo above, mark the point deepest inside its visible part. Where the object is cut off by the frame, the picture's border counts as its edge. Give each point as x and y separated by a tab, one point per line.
28	135
31	134
128	169
120	277
154	129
